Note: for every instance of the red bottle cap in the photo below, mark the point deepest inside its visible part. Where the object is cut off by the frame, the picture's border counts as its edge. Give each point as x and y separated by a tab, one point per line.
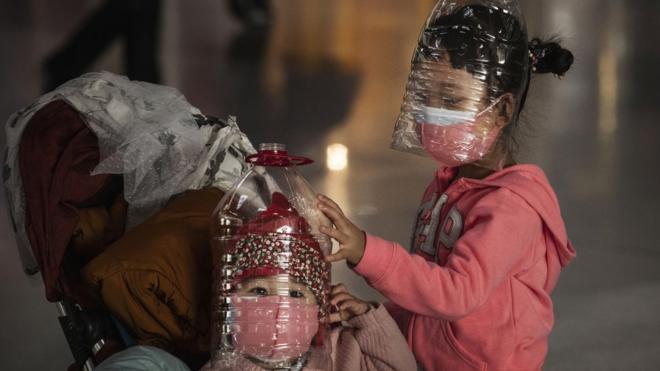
275	154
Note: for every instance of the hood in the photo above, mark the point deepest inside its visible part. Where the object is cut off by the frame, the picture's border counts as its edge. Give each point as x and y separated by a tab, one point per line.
530	183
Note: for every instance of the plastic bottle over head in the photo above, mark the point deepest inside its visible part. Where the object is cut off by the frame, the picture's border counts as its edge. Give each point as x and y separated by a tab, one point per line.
271	281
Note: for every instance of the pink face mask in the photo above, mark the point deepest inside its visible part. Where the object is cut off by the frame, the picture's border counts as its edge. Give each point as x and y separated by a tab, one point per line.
455	138
274	328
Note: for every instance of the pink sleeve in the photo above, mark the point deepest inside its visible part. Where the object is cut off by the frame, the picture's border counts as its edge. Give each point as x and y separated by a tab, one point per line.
498	235
373	343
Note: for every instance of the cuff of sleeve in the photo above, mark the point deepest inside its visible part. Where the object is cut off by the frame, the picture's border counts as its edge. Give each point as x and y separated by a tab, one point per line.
377	259
373	317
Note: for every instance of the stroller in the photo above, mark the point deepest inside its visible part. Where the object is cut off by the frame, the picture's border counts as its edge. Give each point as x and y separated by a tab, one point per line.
88	163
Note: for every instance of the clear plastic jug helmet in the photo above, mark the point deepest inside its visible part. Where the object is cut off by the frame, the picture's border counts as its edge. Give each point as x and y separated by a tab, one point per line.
468	79
271	281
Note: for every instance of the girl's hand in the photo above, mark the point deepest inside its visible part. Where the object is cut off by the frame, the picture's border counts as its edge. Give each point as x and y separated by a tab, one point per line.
347	305
351	238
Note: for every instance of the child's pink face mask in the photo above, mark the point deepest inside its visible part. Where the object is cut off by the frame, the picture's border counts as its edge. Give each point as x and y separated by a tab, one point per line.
274	328
455	138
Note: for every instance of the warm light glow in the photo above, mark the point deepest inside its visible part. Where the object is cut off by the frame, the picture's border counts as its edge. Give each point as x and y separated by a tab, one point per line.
608	74
608	91
337	157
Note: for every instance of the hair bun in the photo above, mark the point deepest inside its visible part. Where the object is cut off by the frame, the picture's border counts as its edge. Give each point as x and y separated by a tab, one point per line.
549	57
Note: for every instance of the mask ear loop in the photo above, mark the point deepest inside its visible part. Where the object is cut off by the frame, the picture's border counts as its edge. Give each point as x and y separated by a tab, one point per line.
319	337
490	106
499	165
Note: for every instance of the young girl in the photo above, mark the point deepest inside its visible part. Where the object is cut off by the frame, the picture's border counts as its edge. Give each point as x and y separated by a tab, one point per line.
281	304
489	241
369	342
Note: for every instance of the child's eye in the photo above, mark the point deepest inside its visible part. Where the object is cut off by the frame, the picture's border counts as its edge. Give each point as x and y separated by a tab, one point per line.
259	291
452	102
296	294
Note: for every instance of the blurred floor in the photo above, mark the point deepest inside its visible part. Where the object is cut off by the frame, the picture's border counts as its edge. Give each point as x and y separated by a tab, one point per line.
334	72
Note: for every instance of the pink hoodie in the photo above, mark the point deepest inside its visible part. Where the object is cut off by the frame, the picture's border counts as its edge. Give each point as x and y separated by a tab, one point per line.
475	294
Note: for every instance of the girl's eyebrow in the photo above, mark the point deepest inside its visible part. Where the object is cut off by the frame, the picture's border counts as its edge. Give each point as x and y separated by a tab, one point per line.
446	85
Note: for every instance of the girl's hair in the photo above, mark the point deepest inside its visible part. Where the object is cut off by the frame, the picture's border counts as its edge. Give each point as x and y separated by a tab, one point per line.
492	44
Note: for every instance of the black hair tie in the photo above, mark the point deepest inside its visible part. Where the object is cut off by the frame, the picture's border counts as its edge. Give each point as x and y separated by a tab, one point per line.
549	57
536	53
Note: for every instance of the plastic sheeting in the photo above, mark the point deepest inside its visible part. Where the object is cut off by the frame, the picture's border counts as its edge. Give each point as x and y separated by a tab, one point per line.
149	133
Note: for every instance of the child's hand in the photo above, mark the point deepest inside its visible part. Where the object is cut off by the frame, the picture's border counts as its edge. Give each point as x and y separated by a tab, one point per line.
347	305
351	238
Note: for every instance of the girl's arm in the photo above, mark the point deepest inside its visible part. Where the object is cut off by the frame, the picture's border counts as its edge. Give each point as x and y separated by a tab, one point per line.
498	238
373	343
